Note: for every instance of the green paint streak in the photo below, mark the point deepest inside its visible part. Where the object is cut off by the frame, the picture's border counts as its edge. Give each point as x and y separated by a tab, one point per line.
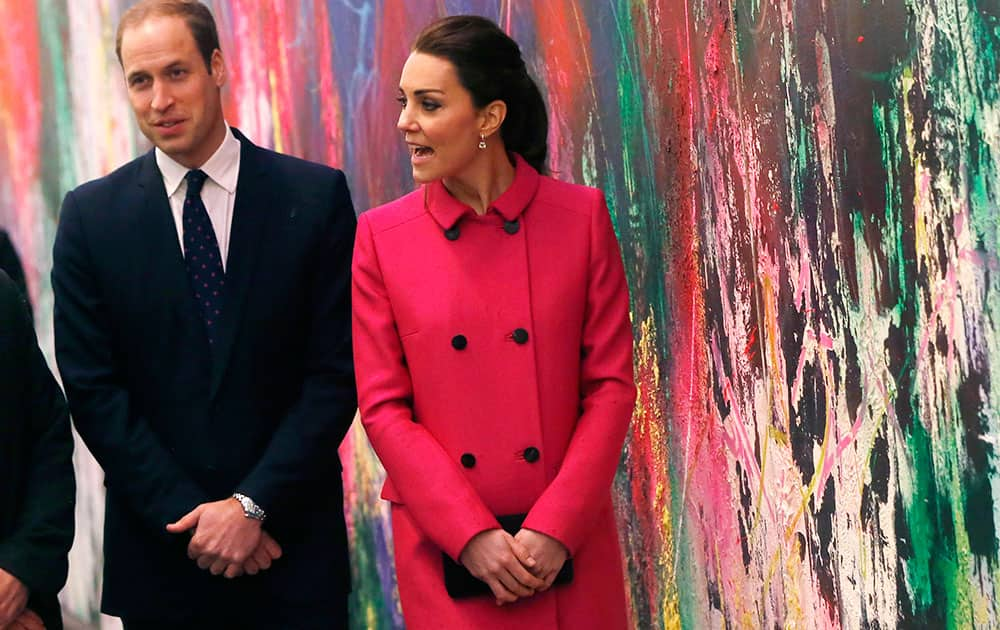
636	197
58	135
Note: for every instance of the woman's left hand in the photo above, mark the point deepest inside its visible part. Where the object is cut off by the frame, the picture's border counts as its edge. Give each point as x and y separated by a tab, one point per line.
549	554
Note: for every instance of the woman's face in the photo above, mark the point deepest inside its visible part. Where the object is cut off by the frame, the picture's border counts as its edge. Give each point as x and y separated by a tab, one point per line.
439	122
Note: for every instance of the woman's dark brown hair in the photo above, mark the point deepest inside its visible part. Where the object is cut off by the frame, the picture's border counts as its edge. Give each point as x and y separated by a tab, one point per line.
490	67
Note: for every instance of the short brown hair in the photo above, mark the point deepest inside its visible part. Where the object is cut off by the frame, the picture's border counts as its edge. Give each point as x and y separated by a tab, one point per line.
197	16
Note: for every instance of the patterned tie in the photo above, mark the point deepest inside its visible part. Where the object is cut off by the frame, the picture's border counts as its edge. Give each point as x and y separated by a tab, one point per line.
201	256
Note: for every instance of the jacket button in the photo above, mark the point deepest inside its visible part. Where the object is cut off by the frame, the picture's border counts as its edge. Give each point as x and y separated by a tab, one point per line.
511	227
459	342
520	336
451	233
468	460
531	454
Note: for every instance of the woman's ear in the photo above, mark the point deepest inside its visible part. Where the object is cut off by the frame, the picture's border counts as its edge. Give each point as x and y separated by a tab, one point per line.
492	117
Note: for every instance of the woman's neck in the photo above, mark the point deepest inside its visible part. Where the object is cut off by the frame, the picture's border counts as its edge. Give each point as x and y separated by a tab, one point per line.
484	181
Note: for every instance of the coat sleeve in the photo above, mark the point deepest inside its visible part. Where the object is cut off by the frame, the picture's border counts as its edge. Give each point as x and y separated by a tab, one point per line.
309	434
437	495
607	389
136	464
11	264
36	550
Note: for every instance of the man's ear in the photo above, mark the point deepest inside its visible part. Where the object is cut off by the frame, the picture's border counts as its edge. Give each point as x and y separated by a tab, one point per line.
218	67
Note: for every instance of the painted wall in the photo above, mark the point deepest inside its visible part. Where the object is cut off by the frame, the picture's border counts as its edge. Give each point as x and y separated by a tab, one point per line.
807	196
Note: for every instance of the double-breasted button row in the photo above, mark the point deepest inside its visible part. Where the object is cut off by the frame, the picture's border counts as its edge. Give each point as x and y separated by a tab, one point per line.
520	337
530	454
510	227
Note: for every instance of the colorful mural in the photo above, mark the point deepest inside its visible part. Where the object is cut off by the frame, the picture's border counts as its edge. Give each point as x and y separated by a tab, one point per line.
807	197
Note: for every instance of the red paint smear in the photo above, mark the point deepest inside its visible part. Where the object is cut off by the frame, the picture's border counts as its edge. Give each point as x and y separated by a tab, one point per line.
564	45
711	531
21	117
330	106
378	141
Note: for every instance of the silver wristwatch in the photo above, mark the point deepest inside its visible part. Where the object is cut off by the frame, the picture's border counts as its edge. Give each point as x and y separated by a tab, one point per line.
250	509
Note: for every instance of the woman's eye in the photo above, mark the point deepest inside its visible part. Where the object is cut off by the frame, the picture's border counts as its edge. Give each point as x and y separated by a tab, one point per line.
430	105
401	100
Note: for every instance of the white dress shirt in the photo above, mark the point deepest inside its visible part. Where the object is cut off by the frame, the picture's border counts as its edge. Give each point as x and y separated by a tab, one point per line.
218	193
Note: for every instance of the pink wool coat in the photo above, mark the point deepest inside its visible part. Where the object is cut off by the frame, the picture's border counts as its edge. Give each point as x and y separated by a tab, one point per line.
494	368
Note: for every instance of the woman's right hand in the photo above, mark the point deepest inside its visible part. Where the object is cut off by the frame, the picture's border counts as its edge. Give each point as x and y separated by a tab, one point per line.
496	558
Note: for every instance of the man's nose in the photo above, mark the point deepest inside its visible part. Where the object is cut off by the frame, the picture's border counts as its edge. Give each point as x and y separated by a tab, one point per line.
162	98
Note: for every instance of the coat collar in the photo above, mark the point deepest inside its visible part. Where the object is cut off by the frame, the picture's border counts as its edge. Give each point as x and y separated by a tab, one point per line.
447	210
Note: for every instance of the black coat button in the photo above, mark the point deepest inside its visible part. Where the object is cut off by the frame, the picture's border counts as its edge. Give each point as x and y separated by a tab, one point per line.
520	336
451	233
459	342
511	227
468	460
531	454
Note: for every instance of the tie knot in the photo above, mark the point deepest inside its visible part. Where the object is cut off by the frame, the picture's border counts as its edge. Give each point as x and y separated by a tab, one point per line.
195	180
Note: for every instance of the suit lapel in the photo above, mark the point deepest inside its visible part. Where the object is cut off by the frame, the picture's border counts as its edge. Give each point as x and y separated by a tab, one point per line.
253	197
158	241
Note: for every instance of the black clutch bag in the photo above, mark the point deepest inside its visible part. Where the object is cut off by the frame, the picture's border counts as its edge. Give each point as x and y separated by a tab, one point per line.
461	584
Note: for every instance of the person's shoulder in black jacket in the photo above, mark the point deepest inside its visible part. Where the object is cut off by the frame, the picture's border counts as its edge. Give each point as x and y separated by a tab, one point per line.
11	263
37	487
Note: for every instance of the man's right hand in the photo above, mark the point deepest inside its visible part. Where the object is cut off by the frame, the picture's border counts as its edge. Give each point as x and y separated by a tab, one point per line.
28	620
267	551
13	598
496	558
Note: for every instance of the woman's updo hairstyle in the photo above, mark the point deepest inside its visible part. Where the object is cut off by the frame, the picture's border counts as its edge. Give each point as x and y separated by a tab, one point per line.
490	67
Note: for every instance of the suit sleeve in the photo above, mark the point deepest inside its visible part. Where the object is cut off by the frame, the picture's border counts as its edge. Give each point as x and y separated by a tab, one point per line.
444	504
608	393
307	438
136	464
36	550
11	263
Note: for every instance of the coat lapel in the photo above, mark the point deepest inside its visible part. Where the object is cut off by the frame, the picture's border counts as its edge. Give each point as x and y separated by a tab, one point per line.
253	197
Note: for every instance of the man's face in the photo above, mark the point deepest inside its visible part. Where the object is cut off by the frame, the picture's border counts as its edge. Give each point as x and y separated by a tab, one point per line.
177	101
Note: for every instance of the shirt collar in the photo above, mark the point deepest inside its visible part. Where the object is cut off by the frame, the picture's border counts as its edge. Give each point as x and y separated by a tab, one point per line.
221	168
447	210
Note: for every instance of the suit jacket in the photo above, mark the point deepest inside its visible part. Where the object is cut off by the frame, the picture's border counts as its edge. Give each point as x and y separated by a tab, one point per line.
10	263
37	489
494	361
174	425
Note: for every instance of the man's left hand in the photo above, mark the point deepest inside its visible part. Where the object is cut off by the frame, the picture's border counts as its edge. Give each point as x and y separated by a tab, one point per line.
28	620
13	598
223	535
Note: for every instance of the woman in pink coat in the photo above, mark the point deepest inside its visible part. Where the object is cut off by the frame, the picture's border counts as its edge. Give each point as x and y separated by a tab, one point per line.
493	351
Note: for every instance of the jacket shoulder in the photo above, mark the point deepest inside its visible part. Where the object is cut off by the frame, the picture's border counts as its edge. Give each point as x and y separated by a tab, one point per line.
101	189
397	212
570	198
294	167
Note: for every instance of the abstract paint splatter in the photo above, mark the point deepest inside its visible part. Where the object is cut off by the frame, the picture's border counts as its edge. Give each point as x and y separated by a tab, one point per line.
807	197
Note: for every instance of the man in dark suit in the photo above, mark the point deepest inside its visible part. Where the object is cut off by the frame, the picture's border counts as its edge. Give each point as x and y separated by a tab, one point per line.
11	263
37	491
202	321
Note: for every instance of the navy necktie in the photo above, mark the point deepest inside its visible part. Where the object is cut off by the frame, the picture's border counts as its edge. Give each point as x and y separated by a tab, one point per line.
201	256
